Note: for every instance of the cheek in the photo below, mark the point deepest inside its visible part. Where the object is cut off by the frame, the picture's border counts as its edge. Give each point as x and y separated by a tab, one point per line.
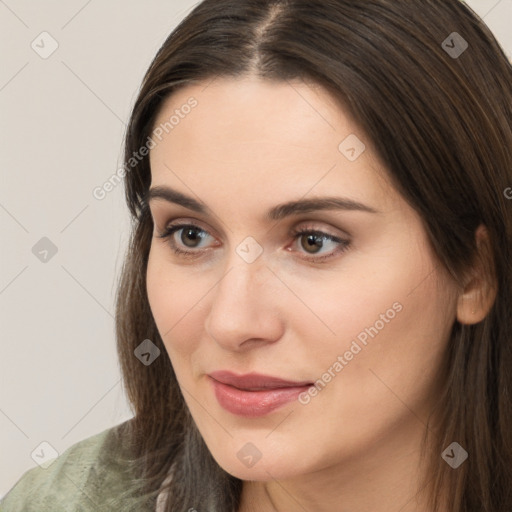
366	298
391	332
177	303
398	291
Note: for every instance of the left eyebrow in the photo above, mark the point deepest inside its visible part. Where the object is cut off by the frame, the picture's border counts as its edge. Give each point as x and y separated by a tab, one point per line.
311	205
275	213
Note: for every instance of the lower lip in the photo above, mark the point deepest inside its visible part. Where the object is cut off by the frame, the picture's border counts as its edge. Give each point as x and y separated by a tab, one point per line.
252	404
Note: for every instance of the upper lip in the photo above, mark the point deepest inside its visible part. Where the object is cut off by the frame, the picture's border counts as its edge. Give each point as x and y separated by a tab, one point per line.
255	381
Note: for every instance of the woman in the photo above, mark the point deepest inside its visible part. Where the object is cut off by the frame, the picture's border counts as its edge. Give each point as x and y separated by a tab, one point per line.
315	311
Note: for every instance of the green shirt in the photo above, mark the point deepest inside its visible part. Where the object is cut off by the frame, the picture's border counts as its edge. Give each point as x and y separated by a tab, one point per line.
87	477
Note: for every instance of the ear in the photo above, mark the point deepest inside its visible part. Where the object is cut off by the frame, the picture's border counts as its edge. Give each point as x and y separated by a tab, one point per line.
479	292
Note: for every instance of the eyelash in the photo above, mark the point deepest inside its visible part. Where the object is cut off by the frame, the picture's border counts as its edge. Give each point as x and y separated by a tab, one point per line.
296	233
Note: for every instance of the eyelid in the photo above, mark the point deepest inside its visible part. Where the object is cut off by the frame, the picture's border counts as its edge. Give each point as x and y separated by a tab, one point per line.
311	225
188	221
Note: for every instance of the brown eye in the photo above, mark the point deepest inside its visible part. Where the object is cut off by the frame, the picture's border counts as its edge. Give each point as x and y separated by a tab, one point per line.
313	241
190	237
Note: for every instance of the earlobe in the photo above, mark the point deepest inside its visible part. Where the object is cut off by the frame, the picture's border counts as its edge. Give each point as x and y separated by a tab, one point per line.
479	292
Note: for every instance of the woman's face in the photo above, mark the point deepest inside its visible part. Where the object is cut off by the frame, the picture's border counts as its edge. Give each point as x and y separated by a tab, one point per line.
353	315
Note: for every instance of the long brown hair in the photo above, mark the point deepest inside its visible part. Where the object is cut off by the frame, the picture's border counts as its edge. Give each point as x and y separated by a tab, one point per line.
439	114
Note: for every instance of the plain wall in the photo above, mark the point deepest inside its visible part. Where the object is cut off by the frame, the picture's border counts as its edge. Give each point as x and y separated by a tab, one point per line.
62	122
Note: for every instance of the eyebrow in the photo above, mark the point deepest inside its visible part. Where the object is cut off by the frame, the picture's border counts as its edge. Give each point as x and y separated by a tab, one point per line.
275	213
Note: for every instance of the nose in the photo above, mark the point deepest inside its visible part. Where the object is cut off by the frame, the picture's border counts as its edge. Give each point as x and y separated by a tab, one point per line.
244	311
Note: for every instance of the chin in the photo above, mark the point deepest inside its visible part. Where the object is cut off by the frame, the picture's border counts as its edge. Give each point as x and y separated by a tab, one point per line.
260	472
245	461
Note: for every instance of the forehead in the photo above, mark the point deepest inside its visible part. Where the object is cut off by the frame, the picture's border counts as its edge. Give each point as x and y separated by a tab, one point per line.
254	138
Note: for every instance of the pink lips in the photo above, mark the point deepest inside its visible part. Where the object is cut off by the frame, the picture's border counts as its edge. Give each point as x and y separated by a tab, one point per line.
254	395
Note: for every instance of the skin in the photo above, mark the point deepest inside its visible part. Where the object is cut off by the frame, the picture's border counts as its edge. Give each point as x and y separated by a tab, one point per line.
248	146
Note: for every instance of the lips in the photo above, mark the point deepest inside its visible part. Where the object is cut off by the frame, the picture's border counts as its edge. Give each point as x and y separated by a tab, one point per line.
253	394
254	381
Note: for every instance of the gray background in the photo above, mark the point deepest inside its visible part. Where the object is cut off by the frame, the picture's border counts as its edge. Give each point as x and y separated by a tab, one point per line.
62	122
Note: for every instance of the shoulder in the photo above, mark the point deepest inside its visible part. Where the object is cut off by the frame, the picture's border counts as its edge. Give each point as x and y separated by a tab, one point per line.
85	477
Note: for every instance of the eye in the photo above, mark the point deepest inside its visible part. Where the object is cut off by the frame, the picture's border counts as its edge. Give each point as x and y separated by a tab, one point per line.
312	241
190	236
